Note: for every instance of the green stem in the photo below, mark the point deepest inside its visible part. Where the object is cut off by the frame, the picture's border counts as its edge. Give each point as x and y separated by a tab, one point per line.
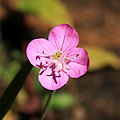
46	107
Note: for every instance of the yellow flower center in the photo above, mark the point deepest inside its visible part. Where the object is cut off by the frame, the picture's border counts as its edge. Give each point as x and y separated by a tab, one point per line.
57	55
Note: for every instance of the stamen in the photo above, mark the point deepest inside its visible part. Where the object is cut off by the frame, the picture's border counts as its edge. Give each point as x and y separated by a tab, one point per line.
77	55
40	66
37	57
53	74
42	72
43	52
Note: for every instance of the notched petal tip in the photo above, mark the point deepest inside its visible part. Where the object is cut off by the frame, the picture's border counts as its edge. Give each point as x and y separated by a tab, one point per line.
38	48
63	36
47	80
78	67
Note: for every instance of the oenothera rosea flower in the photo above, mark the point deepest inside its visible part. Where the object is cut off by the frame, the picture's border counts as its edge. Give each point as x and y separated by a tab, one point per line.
58	57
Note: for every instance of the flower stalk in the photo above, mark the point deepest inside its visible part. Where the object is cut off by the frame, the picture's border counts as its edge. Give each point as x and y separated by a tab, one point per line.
46	107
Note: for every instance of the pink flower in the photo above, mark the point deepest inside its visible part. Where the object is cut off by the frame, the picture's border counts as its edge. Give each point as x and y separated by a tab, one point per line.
58	57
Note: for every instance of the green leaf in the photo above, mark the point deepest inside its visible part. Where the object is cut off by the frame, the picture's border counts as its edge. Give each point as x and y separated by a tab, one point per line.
62	101
13	89
50	11
100	58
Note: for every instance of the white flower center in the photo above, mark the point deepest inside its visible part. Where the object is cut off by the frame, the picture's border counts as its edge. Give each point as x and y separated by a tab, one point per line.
55	58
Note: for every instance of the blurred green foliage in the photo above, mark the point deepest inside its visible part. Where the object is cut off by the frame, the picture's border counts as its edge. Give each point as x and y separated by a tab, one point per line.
100	58
52	12
62	101
9	67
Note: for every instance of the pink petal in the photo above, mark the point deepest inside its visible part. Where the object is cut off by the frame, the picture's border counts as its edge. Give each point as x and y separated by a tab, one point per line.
36	48
78	55
63	37
76	70
49	83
